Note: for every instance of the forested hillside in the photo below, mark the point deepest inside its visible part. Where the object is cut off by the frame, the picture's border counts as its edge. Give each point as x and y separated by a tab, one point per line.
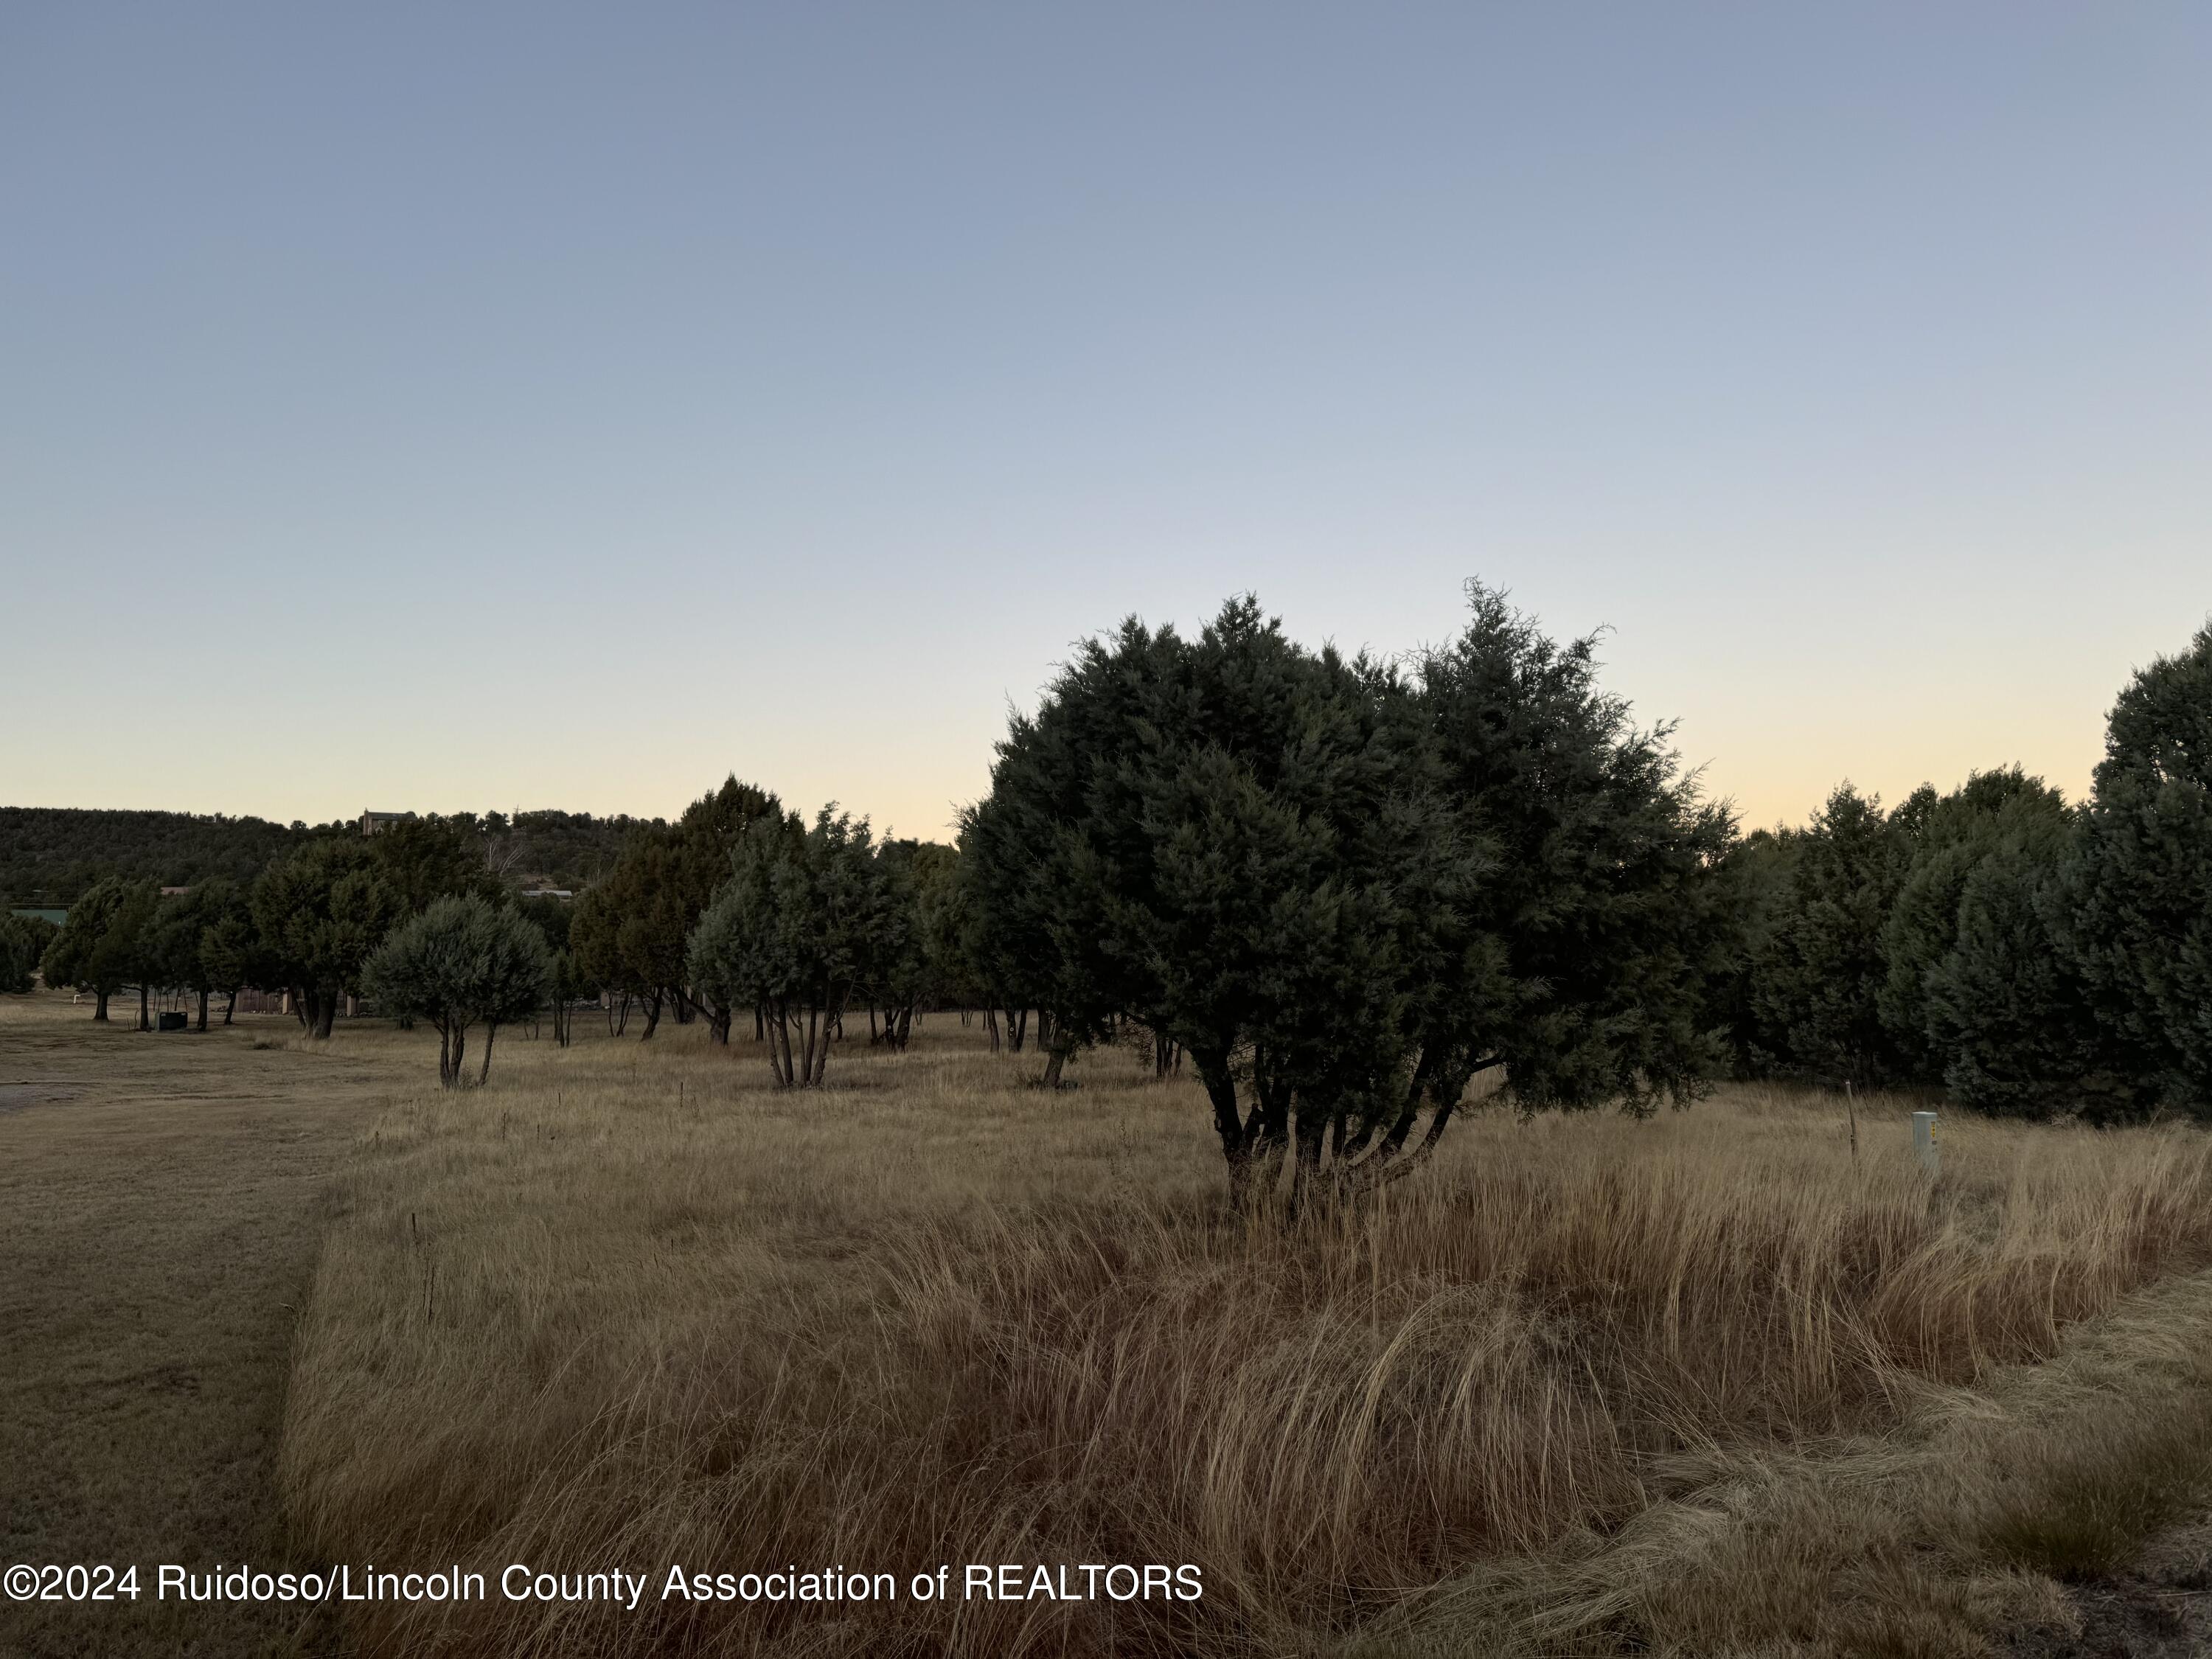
51	854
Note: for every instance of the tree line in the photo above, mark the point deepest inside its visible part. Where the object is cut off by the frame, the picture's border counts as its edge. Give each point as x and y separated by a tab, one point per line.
54	855
2023	954
1343	889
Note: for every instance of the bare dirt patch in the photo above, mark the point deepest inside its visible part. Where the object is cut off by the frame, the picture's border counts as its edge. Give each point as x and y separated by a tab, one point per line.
15	1096
2161	1610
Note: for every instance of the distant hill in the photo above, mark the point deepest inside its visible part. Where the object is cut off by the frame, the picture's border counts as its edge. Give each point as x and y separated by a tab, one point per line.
51	854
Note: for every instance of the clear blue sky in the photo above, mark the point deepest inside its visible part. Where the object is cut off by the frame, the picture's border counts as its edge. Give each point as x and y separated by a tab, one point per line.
434	406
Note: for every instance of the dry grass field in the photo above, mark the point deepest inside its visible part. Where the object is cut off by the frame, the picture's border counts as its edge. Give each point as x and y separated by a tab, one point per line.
1703	1385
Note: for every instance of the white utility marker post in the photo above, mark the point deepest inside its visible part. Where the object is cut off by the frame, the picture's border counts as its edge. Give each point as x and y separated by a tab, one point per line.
1923	1141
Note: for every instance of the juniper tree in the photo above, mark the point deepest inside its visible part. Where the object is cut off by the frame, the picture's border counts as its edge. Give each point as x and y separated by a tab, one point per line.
1819	981
177	937
2137	921
23	941
1579	963
464	961
632	930
1953	835
231	952
799	928
2004	1009
424	858
319	913
1346	889
101	947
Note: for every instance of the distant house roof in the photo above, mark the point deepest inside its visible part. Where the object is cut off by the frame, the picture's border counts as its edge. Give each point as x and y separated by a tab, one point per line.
549	892
172	892
57	914
372	821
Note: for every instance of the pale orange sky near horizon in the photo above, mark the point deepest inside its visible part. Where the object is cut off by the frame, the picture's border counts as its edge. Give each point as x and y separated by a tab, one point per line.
558	406
1810	718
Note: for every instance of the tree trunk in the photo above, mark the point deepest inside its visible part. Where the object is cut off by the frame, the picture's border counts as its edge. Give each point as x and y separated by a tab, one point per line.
1057	1058
145	1023
991	1024
326	1010
230	1007
1229	1127
835	1020
779	1036
484	1071
202	1026
651	1014
760	1023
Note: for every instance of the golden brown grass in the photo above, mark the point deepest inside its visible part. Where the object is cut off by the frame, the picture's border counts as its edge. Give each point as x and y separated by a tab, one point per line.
1588	1385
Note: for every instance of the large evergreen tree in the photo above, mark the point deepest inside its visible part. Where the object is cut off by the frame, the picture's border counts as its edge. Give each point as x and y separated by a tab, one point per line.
1949	838
1592	934
1819	981
2004	1010
1345	889
2138	921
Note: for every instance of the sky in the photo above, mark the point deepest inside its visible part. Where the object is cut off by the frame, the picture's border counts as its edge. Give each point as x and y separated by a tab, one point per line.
435	407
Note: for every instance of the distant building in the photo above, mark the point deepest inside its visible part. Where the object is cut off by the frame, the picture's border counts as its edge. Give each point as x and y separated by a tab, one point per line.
172	892
375	823
549	892
57	914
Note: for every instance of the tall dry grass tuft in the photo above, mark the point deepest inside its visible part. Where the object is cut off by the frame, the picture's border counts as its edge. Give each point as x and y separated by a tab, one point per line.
627	1308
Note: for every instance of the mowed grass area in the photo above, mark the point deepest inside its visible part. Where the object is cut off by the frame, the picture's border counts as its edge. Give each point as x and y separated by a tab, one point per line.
162	1199
1699	1385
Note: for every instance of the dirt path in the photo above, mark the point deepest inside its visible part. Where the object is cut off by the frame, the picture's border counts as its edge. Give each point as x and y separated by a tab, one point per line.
161	1200
2159	1609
